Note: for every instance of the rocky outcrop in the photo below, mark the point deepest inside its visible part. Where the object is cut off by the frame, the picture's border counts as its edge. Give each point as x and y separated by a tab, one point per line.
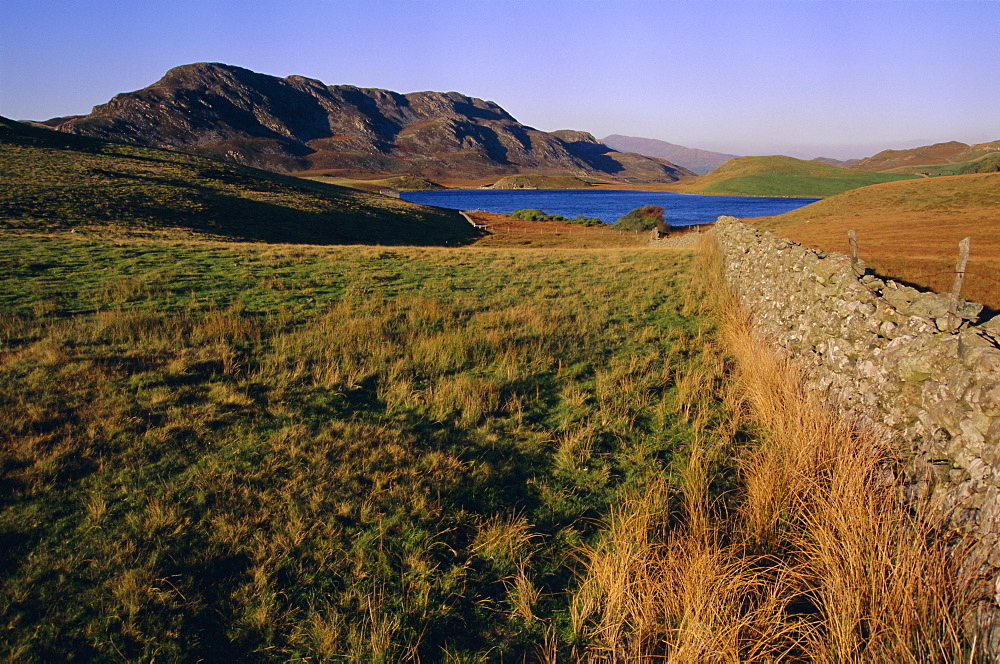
297	123
927	372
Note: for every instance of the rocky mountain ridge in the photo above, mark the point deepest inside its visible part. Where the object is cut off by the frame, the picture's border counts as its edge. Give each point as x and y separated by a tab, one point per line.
297	123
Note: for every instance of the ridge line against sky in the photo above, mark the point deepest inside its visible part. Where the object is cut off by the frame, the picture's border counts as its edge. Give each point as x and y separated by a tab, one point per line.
806	77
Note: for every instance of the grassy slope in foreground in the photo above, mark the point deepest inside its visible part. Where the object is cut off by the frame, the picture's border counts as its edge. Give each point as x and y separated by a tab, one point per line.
910	230
234	452
781	176
51	180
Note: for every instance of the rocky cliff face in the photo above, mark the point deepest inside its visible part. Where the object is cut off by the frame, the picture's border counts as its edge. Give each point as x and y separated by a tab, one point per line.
297	123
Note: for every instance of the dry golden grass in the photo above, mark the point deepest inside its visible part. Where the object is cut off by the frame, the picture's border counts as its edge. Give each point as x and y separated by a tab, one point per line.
910	230
811	558
506	231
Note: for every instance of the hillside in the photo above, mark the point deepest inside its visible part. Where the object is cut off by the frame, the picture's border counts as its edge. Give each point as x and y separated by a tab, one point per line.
699	162
836	162
938	154
781	176
398	183
50	180
910	230
300	124
528	181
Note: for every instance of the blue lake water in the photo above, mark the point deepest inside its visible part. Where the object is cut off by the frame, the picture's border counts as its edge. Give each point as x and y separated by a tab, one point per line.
608	204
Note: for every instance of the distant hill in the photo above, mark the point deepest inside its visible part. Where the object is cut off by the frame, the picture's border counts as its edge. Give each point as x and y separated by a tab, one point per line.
910	230
781	176
300	124
837	162
938	154
698	161
540	182
51	180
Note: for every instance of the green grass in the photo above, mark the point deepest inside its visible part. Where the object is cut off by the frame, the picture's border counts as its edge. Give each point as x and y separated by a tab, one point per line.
238	452
783	176
534	181
51	180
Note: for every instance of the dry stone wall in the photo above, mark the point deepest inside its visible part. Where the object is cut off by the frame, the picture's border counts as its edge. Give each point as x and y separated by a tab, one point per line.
899	358
683	240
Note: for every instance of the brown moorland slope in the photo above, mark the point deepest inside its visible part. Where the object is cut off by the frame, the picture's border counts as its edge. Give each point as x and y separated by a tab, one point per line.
910	230
952	152
505	231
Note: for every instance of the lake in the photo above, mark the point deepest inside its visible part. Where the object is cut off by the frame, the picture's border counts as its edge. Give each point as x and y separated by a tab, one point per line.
608	204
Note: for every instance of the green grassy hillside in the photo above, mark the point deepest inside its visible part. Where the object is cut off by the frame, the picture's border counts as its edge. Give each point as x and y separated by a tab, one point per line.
532	181
781	176
51	180
989	163
923	159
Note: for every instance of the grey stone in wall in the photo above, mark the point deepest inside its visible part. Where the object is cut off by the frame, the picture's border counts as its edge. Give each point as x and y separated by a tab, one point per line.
896	356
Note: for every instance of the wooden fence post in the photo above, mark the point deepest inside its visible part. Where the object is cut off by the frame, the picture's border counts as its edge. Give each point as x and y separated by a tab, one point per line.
956	287
852	241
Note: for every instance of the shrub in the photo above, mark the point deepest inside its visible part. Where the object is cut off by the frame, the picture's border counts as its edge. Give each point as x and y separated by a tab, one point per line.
643	219
534	214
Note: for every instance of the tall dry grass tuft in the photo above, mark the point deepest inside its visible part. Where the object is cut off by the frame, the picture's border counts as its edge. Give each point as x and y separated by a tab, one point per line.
814	558
819	490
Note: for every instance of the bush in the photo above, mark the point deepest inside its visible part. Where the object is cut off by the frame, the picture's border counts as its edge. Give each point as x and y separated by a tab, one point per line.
534	214
643	219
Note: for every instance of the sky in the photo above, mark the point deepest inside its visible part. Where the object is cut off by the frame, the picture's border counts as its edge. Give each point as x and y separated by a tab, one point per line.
807	78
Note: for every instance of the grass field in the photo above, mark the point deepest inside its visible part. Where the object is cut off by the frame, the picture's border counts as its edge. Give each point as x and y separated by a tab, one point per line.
245	452
781	176
911	230
551	445
231	451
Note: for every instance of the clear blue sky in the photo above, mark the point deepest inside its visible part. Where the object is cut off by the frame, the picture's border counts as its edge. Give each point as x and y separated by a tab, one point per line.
805	77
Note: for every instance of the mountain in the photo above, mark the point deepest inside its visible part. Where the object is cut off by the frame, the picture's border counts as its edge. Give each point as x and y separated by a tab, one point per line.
297	124
699	161
781	176
54	181
953	152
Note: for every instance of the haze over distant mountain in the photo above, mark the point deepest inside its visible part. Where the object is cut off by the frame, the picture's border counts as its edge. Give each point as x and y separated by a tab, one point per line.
297	123
699	161
843	163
